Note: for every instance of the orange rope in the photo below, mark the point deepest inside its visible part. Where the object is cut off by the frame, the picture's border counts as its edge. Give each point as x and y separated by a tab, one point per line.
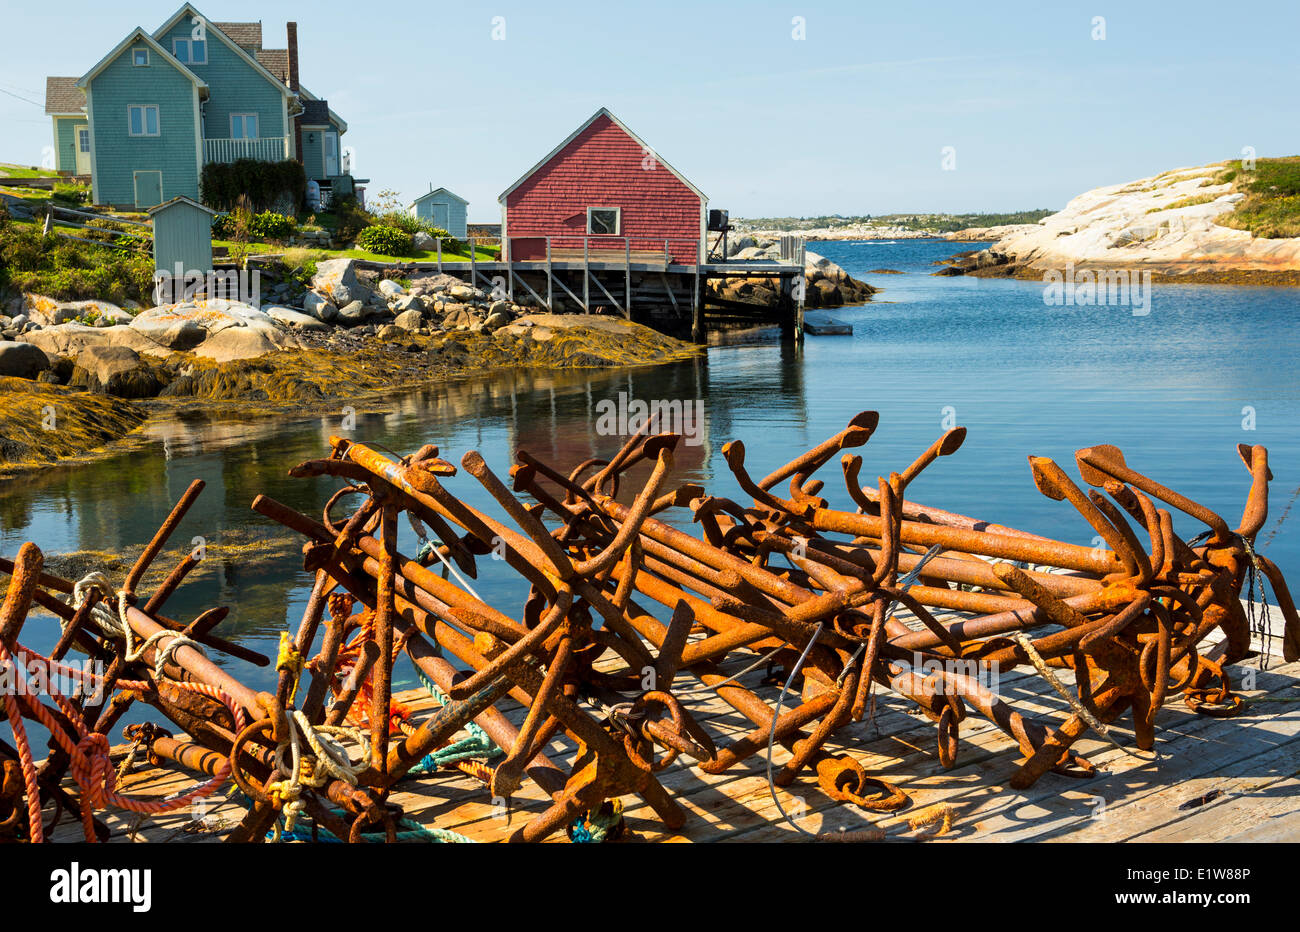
90	762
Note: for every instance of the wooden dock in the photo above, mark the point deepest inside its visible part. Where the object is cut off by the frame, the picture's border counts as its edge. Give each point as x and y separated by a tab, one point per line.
631	283
1216	779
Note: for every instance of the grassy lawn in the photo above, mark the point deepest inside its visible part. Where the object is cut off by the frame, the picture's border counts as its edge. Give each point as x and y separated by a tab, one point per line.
20	171
1271	208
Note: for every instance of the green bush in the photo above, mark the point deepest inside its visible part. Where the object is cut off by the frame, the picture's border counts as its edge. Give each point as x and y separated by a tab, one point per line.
268	225
350	218
70	271
385	240
278	186
74	194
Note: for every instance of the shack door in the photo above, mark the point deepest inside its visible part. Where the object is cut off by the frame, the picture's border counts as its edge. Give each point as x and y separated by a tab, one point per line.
440	218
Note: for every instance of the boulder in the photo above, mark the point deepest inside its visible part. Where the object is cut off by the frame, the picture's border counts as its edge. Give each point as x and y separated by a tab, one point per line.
463	292
424	241
389	332
292	318
116	370
320	307
49	312
22	360
337	280
390	289
353	312
498	307
495	321
434	284
408	302
168	329
237	343
409	320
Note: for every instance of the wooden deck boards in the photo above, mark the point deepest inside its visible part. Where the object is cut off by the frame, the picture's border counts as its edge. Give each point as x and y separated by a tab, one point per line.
1216	779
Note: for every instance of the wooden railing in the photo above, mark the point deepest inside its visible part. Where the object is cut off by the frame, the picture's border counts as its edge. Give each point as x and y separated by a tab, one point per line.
267	149
579	247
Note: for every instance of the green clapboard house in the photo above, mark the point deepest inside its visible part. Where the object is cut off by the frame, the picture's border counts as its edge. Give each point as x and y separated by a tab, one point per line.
144	120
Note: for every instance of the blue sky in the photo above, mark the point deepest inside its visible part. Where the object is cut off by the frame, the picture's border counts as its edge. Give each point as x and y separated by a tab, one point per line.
851	119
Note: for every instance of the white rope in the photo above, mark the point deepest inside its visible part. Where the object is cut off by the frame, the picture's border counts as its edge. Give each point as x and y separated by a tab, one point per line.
114	625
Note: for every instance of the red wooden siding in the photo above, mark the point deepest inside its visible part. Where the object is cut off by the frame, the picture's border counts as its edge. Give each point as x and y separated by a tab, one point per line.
603	167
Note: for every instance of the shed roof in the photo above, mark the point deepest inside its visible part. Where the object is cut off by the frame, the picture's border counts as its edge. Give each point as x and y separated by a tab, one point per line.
180	199
602	112
63	96
429	194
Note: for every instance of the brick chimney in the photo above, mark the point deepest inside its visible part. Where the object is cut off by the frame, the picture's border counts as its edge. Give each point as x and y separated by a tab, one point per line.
294	86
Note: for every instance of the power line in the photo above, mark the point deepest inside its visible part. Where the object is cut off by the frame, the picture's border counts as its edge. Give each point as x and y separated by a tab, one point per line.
22	98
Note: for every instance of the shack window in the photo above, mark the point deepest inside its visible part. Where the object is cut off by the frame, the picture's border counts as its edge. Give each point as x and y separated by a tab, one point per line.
83	139
603	221
140	58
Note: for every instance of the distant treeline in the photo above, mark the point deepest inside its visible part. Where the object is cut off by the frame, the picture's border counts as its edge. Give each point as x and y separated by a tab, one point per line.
937	223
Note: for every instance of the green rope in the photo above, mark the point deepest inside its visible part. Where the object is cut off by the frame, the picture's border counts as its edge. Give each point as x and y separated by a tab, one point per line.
597	827
476	745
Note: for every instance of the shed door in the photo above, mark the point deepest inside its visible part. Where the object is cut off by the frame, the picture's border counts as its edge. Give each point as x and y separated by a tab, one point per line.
440	217
148	189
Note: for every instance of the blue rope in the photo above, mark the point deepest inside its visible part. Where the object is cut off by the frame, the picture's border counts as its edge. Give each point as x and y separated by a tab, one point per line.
476	745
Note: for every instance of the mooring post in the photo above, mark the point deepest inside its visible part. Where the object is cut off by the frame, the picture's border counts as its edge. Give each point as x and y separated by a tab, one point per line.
697	307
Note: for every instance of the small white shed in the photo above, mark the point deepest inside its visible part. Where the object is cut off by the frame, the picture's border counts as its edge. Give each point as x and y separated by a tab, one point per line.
443	209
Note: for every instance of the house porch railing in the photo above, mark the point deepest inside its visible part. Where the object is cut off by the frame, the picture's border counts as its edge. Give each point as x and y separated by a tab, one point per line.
267	149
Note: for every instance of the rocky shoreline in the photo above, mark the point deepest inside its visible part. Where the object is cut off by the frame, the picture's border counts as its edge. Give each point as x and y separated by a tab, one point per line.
826	283
75	376
1165	225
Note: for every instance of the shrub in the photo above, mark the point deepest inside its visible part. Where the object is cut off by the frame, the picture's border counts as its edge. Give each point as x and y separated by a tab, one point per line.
385	240
350	218
69	271
71	193
278	186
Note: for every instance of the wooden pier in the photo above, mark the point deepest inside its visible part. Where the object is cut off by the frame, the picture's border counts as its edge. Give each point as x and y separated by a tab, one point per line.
651	286
1216	779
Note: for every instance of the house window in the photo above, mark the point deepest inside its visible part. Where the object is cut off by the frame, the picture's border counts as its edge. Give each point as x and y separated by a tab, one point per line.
604	221
243	126
142	119
140	58
83	139
190	51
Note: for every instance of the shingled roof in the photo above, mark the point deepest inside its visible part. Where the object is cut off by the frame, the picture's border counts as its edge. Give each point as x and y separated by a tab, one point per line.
247	36
315	113
275	61
63	96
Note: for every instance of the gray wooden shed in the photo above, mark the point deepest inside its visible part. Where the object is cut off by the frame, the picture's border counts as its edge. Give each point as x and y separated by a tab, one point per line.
443	209
182	235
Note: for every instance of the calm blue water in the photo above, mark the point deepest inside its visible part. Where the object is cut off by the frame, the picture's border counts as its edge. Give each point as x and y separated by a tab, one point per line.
1168	388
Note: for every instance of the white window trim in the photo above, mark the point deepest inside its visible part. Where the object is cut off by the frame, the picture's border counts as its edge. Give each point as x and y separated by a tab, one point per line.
144	122
189	51
618	221
244	117
140	64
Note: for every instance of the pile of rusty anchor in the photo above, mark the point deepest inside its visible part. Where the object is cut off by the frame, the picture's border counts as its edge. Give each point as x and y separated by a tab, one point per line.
787	578
629	617
137	653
